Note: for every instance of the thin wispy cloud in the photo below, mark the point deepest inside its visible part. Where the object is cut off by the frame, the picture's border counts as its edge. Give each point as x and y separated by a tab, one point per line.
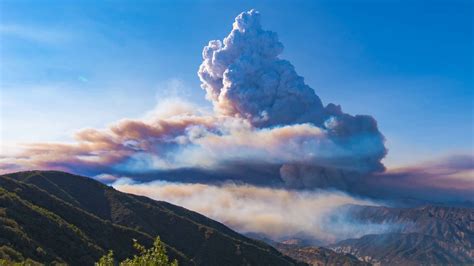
41	35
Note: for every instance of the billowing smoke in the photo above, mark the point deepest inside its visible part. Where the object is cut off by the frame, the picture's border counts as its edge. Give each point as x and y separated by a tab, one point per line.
265	117
278	214
244	77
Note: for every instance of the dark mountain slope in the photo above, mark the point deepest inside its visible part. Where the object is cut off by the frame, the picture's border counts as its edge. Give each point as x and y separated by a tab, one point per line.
51	215
404	249
30	227
63	231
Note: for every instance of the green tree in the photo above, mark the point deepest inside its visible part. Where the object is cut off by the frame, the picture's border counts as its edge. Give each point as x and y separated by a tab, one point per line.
106	260
154	256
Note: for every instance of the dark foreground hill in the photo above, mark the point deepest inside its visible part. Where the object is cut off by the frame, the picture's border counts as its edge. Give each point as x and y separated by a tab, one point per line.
50	216
429	235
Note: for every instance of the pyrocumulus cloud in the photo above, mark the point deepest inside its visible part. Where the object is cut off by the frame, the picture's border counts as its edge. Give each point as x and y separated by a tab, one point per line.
264	114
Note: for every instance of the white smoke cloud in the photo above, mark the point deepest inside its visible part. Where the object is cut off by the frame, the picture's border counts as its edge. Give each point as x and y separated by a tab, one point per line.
275	213
244	77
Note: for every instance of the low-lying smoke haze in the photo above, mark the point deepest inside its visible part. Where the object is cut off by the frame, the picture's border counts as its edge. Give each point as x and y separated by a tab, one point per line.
274	213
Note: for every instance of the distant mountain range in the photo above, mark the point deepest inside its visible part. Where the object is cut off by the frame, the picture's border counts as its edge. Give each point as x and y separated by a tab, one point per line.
319	256
51	216
429	235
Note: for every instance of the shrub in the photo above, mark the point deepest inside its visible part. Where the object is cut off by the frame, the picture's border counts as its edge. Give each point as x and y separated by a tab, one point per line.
154	256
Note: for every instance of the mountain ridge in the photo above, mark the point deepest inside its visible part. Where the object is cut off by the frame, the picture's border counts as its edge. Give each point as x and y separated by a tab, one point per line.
190	237
57	217
425	235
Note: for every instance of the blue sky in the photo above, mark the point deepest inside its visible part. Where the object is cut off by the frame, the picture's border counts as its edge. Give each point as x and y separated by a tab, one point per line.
67	65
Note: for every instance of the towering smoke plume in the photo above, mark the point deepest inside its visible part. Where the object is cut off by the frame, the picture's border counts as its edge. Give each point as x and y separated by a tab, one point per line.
244	77
265	117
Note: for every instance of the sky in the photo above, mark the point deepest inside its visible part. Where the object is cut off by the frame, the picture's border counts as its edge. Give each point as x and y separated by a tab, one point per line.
69	65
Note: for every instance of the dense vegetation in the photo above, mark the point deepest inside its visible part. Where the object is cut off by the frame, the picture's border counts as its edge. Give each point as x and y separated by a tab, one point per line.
55	217
154	256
